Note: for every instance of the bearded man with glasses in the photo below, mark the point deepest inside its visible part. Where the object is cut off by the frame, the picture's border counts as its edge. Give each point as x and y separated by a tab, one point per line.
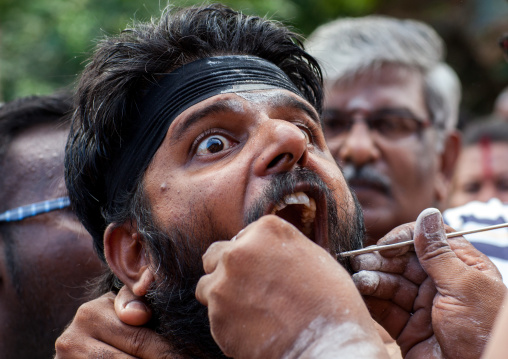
390	115
46	256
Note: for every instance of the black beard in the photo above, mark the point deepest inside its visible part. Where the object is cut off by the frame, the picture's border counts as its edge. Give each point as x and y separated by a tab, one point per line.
344	235
179	317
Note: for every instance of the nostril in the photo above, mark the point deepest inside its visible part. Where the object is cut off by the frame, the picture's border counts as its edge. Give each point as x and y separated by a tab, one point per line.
286	157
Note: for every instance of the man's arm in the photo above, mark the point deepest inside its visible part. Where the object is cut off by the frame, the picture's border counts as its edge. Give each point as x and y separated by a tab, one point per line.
97	331
272	293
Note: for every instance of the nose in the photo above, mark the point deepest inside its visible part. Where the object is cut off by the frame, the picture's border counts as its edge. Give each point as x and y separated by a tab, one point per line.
357	147
282	145
487	192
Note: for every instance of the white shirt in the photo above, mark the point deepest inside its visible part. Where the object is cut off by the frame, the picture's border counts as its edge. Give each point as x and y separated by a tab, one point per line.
480	214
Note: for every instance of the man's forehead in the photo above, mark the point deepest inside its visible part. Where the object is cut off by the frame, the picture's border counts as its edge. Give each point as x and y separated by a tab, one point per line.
236	102
374	89
280	98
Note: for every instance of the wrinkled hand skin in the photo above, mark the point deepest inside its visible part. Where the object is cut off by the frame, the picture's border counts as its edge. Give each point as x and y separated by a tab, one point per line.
272	288
438	300
97	331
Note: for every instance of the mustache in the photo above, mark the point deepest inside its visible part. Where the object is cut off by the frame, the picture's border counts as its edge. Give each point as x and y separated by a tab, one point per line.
347	232
283	184
367	174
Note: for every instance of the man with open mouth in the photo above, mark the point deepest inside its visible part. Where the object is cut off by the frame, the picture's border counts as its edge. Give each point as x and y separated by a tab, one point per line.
198	164
186	132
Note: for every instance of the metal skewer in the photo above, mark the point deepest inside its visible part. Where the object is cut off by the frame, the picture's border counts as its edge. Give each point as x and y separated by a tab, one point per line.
407	243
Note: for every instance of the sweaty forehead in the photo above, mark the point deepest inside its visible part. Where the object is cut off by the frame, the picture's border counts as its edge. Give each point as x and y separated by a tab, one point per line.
240	103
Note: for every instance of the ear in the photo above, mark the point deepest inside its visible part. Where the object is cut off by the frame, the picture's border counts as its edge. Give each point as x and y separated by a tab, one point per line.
448	160
126	256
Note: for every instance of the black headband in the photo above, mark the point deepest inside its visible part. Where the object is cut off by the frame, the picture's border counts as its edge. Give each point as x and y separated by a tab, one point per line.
173	94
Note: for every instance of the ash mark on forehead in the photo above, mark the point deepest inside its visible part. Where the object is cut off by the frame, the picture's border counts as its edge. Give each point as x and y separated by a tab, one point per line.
278	98
273	96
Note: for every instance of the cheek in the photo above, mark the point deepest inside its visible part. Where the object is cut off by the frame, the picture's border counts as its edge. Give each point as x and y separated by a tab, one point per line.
332	176
57	258
412	165
202	197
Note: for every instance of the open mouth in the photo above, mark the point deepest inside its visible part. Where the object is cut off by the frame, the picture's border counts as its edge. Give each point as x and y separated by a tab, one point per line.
300	210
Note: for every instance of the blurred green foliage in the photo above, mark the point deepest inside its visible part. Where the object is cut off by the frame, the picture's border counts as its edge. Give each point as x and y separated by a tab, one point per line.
44	44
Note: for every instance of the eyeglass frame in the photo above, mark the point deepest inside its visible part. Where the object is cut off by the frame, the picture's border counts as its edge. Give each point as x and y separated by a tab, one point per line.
30	210
369	117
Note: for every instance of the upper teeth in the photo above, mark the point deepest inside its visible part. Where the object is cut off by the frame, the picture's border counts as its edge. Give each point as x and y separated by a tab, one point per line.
295	198
308	214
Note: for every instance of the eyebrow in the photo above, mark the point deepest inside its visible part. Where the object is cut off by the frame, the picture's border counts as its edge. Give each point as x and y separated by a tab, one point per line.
401	111
218	107
289	101
228	105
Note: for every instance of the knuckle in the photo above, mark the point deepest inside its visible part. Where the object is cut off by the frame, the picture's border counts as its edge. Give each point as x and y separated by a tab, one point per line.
64	344
435	249
273	222
232	257
85	312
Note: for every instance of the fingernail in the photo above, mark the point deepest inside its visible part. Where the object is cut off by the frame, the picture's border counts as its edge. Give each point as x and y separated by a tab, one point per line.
137	305
431	221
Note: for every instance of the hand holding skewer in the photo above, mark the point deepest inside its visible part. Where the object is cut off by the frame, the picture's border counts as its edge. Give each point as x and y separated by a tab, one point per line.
407	243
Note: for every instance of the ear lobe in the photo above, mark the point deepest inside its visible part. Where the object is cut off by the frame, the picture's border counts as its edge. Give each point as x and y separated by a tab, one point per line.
125	254
449	157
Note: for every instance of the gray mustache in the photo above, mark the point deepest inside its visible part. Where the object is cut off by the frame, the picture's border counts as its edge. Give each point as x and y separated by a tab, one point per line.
366	175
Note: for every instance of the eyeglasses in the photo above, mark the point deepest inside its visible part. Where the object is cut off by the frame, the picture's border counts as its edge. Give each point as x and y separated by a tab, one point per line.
392	124
30	210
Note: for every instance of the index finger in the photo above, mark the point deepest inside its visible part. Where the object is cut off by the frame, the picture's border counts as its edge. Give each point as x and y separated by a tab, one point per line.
402	233
406	264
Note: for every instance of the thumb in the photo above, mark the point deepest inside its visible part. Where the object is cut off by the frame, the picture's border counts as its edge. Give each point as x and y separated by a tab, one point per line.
131	309
433	251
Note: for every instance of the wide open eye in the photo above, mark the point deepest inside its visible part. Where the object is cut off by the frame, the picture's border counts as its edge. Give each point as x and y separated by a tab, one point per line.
213	144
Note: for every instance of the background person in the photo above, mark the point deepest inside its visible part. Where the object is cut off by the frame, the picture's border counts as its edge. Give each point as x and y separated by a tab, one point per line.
482	168
390	112
501	105
479	192
46	256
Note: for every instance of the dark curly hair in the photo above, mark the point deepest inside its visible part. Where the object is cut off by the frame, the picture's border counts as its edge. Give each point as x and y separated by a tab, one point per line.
121	71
